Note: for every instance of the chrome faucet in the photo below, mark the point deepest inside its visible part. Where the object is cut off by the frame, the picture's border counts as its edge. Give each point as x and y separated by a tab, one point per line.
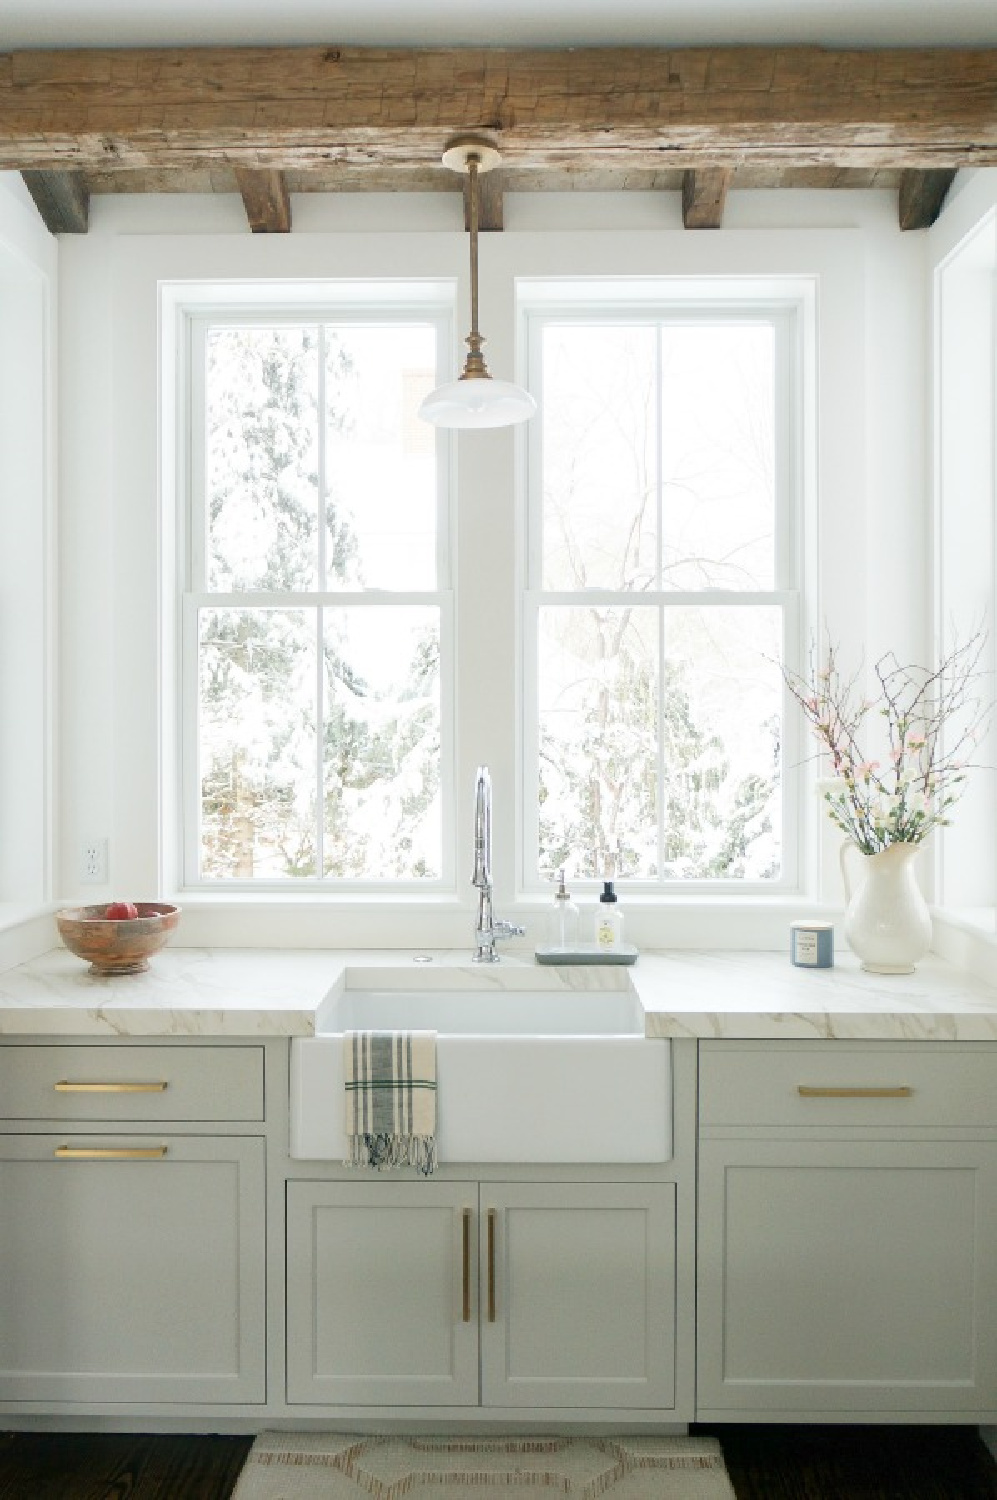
486	928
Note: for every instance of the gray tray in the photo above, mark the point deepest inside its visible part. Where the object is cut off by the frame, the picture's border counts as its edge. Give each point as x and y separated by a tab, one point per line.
587	954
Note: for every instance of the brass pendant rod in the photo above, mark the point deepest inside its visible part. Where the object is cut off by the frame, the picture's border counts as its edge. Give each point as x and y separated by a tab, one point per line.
472	175
474	366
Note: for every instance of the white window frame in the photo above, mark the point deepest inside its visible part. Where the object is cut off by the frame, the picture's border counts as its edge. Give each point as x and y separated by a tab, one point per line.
268	305
790	305
964	481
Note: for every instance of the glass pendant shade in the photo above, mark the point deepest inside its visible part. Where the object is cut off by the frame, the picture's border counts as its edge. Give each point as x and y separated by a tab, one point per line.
475	400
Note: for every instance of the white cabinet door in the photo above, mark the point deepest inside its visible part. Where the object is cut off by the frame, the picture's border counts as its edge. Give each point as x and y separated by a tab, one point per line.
381	1293
132	1278
847	1276
578	1295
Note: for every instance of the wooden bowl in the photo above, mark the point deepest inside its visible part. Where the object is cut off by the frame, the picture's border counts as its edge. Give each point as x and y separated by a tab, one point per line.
117	947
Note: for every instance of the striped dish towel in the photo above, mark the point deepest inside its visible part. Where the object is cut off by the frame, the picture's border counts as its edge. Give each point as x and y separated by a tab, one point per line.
390	1079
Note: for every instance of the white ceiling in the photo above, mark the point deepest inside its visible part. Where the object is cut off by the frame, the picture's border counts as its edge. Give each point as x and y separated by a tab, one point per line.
522	23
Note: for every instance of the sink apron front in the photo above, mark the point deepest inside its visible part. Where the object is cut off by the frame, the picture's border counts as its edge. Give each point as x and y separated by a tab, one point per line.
510	1099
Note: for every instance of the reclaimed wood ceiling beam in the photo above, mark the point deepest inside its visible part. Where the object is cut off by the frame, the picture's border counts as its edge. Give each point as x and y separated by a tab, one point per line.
703	197
619	109
922	195
62	199
490	202
266	200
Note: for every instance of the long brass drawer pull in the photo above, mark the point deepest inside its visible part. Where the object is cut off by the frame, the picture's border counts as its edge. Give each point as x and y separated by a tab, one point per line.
67	1086
110	1153
465	1235
811	1091
491	1265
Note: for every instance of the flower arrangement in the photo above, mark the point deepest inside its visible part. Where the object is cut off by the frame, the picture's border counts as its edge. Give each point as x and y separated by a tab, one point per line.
901	797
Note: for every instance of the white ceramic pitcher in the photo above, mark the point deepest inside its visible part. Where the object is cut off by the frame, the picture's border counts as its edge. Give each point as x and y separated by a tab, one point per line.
887	922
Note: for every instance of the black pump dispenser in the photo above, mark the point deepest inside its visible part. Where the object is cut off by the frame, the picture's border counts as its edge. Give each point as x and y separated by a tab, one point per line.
608	894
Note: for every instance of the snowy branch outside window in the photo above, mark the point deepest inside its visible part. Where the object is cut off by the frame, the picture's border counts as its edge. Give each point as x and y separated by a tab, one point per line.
314	593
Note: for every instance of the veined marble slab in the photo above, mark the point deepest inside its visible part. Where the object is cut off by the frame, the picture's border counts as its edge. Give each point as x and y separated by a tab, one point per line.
243	991
745	995
270	993
185	992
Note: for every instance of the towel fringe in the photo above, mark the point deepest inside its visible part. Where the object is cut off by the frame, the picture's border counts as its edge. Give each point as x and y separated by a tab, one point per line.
386	1152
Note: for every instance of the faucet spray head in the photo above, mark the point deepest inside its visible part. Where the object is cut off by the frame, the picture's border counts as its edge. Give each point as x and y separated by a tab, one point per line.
482	876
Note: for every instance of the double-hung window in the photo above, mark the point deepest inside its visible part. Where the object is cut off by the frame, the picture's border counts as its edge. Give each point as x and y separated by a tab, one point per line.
663	568
316	609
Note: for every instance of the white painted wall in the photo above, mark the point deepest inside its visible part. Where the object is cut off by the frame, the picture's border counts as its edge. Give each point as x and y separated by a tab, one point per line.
28	271
872	478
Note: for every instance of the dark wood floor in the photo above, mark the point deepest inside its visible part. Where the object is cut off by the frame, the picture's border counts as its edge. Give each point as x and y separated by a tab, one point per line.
118	1466
765	1463
857	1463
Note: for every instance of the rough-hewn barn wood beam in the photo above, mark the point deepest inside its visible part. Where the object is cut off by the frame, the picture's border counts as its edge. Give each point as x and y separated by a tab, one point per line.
490	208
266	199
585	109
921	197
704	194
62	200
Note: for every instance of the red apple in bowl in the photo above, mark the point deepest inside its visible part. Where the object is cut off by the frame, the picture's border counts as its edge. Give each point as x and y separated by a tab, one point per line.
121	911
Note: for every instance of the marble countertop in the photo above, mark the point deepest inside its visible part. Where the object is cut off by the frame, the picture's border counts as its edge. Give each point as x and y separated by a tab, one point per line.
745	995
271	993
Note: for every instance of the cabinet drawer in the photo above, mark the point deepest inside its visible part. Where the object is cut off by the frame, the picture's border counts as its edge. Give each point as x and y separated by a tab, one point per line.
131	1084
916	1084
132	1277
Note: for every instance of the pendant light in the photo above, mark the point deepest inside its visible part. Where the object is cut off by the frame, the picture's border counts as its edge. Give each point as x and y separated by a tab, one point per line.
475	400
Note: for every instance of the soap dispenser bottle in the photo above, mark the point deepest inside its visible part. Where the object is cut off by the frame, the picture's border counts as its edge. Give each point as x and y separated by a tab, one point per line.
564	919
608	919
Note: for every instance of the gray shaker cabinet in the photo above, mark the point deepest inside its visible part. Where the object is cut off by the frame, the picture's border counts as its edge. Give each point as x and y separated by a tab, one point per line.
132	1252
565	1293
578	1303
847	1224
381	1293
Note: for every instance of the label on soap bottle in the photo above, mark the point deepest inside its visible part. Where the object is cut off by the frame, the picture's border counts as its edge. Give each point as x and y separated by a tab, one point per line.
605	935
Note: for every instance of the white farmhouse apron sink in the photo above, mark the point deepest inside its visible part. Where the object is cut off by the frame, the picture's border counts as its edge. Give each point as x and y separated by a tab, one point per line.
540	1075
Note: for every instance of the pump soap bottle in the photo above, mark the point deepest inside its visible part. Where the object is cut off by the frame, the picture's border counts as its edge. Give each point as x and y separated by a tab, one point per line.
608	920
564	920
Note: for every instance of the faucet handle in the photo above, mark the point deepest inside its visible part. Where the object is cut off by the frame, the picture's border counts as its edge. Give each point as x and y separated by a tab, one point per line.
501	929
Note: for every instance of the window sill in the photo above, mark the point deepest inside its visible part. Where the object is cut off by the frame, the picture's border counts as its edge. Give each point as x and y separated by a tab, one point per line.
445	920
967	937
26	932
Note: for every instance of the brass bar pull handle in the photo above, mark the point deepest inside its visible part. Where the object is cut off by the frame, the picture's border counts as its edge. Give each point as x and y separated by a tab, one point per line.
465	1235
491	1265
110	1153
67	1086
811	1091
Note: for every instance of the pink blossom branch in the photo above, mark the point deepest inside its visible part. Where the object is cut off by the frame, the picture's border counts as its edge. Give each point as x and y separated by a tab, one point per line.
902	802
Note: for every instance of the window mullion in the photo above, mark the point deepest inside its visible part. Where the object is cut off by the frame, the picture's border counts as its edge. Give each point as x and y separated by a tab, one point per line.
190	741
322	478
659	460
196	499
321	504
662	810
659	463
319	742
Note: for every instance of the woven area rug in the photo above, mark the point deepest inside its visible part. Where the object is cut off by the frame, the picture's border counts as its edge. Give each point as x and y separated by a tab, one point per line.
348	1466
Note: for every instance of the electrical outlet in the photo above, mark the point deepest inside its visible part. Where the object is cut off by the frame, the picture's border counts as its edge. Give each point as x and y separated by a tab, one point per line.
93	862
